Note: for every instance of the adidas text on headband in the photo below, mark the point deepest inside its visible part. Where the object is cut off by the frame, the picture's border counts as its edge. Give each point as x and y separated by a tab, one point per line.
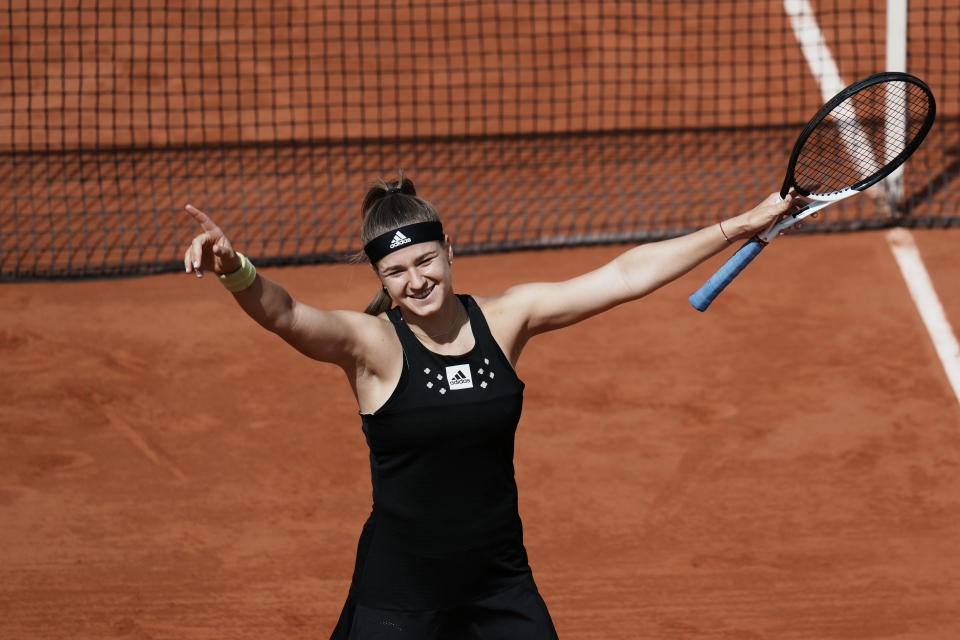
409	234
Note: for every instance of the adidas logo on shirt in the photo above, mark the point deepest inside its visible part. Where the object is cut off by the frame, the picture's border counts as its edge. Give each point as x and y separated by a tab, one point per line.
399	240
458	377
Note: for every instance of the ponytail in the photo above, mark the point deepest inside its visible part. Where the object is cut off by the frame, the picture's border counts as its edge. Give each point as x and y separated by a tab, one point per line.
380	303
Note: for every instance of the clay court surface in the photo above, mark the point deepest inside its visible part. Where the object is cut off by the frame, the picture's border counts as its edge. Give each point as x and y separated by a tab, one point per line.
785	466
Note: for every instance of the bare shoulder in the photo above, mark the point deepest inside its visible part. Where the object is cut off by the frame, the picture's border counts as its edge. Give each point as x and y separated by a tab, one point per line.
373	336
507	314
379	357
510	305
366	348
518	304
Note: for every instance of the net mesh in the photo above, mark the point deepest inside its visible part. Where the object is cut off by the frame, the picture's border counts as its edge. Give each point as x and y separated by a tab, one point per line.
527	123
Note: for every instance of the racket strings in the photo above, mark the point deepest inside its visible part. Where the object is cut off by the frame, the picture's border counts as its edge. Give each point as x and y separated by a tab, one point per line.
861	136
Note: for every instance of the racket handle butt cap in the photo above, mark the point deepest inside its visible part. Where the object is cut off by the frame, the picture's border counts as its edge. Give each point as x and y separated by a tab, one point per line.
705	295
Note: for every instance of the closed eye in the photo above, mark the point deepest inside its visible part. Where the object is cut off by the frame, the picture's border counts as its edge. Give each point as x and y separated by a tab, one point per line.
420	261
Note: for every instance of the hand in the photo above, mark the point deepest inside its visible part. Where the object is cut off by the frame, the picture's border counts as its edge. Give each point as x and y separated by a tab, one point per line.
210	249
761	216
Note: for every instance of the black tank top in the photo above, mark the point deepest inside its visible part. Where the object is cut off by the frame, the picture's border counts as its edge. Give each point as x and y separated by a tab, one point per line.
441	447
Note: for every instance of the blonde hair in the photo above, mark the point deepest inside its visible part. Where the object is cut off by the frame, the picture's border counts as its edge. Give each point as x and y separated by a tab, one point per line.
387	206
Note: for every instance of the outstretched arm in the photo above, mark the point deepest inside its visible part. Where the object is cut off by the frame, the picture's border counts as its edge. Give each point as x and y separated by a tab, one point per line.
331	336
539	307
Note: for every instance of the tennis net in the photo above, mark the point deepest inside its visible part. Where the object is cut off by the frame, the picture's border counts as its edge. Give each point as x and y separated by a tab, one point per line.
527	123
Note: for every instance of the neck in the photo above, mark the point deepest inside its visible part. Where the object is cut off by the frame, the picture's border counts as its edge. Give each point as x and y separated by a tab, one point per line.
443	326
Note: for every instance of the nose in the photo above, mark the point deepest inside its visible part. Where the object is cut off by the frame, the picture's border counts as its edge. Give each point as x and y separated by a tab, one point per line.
416	279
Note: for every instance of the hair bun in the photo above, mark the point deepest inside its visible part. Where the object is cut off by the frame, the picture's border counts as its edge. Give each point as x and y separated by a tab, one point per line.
403	185
381	189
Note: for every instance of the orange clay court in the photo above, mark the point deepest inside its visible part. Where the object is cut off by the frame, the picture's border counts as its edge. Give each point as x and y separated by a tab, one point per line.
782	466
785	466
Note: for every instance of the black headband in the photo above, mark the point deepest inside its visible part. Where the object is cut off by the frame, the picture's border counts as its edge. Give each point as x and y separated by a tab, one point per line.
406	235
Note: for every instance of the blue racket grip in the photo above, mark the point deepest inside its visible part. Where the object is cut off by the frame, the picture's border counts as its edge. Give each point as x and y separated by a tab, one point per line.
702	297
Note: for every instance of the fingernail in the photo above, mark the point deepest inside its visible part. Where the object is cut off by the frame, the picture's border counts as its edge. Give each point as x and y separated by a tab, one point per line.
199	273
196	264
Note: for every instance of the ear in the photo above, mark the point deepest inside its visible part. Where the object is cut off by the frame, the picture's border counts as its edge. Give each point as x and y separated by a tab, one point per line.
448	247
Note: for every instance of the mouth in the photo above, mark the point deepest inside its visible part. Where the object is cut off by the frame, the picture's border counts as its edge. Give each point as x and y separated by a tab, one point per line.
422	295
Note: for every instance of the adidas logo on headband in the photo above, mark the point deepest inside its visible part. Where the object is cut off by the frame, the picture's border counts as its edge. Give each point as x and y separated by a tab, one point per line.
399	240
407	234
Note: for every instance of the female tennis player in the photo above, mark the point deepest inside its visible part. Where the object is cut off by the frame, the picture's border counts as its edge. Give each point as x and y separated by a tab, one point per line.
441	556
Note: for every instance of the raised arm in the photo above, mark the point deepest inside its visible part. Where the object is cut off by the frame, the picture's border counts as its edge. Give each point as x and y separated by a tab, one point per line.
332	336
529	309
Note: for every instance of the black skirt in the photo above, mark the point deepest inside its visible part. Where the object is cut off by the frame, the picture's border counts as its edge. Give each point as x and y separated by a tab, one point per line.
483	593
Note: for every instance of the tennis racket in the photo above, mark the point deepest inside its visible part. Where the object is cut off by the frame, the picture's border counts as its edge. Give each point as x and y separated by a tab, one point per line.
859	137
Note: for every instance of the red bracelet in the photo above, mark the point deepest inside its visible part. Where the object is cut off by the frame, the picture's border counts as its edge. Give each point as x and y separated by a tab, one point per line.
720	224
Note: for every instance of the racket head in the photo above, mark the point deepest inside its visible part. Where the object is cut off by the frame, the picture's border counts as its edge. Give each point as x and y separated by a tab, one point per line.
860	136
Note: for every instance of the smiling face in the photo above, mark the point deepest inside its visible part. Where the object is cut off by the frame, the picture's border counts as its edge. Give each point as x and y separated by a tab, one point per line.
418	277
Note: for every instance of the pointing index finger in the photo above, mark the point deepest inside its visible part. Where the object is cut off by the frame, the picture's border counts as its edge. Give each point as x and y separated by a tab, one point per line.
202	219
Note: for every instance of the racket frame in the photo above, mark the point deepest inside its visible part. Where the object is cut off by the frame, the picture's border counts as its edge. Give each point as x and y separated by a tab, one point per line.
889	166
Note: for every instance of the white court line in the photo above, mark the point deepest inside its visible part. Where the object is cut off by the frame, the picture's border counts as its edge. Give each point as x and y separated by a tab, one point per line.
896	127
928	304
814	47
823	67
825	71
